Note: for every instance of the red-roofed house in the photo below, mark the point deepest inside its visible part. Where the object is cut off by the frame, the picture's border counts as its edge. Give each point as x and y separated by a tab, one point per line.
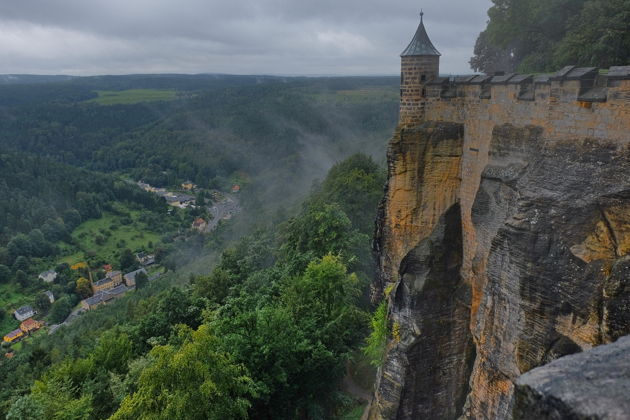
199	224
30	325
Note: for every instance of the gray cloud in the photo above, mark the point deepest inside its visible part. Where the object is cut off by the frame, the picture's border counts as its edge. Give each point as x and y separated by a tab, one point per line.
238	36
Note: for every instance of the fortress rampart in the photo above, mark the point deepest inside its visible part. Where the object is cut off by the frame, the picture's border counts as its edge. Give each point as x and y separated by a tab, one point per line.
436	162
574	103
504	219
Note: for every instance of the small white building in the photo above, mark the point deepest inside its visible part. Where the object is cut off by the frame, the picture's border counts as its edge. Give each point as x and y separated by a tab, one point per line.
50	295
24	312
48	276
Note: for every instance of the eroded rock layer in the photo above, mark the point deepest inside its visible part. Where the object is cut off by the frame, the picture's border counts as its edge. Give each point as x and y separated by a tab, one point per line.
547	247
538	267
429	312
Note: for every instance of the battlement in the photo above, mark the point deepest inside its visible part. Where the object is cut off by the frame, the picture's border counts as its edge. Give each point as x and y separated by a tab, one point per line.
571	105
578	84
575	102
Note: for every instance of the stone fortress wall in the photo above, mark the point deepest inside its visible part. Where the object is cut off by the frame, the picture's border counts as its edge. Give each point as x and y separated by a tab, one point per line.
574	103
436	160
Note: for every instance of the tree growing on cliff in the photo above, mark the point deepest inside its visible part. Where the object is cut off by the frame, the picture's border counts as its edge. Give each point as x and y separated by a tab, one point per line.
377	340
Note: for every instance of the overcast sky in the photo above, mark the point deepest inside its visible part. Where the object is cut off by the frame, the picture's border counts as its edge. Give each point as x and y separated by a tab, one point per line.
291	37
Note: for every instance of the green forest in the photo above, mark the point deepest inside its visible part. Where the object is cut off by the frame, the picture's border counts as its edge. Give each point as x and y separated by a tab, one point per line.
267	334
544	36
296	261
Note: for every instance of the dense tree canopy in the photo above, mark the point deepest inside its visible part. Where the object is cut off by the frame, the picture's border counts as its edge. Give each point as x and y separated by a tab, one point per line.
266	335
48	200
545	35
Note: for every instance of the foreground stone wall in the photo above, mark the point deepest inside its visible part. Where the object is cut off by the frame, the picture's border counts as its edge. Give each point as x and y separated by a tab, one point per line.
540	172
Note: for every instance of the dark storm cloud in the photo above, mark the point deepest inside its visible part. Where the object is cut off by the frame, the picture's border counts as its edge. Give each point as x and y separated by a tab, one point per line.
238	36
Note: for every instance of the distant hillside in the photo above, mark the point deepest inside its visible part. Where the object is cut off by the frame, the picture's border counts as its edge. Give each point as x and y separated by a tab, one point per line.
280	133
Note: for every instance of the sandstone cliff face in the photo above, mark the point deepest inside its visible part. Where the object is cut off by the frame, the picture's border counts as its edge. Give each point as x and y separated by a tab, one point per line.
422	234
547	246
548	272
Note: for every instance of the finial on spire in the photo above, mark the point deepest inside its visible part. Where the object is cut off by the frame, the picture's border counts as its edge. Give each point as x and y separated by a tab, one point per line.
421	14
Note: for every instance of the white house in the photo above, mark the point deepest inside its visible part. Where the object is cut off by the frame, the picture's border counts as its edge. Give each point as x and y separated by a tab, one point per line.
24	312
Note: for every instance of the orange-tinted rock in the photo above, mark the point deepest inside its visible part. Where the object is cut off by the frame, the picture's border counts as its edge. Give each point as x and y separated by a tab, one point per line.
543	189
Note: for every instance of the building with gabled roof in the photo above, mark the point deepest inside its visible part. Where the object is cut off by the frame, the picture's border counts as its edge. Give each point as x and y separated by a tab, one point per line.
105	296
130	278
30	325
24	312
144	258
199	224
111	280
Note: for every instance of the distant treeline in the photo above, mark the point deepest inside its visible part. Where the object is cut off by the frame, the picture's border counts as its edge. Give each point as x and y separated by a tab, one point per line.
271	129
545	35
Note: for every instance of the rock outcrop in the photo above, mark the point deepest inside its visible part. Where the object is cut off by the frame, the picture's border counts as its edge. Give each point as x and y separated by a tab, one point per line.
549	253
588	386
503	239
429	312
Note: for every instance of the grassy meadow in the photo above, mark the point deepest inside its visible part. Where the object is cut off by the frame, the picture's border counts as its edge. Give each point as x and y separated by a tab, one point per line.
104	237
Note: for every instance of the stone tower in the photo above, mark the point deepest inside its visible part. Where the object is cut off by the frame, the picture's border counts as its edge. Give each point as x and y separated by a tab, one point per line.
420	62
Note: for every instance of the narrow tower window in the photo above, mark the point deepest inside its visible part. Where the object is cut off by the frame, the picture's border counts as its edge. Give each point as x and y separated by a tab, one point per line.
423	77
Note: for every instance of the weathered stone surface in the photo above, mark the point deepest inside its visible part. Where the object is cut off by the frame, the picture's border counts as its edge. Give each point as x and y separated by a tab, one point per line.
539	168
548	272
423	182
431	352
591	385
541	299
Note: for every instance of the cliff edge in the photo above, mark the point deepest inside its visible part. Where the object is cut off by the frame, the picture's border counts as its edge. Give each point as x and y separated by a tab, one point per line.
503	239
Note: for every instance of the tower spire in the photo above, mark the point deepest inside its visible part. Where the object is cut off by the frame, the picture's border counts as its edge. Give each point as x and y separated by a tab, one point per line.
419	64
420	44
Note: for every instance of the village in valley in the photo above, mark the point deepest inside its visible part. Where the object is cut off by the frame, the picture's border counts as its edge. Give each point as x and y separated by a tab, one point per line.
113	285
224	207
102	285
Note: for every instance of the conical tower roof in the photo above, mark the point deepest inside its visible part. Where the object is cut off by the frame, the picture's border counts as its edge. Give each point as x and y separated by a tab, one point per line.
420	44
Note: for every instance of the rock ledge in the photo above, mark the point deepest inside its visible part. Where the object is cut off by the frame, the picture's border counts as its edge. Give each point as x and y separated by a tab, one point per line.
593	385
